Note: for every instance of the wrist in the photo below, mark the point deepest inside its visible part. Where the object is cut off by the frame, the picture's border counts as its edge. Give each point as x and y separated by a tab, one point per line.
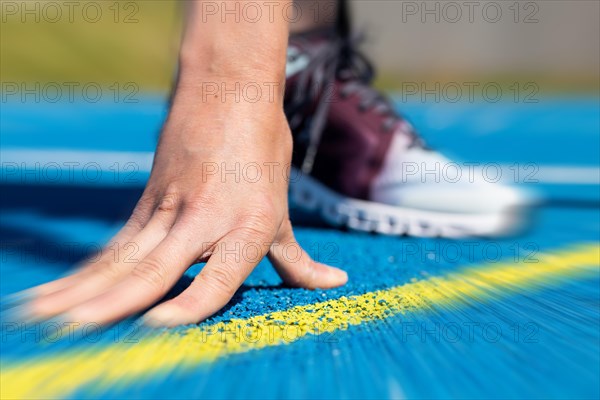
231	92
224	62
221	103
228	77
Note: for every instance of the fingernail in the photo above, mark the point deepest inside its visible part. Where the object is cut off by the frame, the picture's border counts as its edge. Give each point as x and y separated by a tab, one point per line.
340	275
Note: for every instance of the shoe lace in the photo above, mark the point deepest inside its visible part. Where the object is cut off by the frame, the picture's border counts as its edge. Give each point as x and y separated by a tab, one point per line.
339	60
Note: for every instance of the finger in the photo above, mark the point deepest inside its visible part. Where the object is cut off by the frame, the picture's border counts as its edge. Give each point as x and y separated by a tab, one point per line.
296	268
147	283
232	261
97	277
75	275
138	220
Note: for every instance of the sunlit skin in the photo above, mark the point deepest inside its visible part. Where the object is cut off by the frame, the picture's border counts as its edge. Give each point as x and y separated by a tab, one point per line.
187	215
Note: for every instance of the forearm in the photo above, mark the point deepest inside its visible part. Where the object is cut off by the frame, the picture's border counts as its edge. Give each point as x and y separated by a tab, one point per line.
231	79
222	44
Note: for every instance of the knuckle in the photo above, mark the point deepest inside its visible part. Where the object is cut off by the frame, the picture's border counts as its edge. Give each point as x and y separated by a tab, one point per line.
202	202
98	266
109	271
151	272
258	224
168	202
195	213
187	302
221	279
137	220
142	210
251	233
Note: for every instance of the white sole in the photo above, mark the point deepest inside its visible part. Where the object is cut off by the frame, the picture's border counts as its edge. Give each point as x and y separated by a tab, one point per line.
308	194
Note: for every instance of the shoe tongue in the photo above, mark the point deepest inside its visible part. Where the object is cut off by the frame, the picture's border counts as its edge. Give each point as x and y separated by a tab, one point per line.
297	60
303	46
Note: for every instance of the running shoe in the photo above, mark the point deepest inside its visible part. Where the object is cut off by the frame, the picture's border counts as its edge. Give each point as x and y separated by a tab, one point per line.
359	164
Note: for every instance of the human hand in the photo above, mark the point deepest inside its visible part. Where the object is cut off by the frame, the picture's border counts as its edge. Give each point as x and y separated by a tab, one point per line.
188	213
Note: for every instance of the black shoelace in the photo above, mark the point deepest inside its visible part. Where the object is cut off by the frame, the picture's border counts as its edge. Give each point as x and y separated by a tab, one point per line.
337	60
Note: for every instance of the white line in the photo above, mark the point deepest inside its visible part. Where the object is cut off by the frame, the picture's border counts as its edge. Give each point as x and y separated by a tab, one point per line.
568	175
75	159
106	160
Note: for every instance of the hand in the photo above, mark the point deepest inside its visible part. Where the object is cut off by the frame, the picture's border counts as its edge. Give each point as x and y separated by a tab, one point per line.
189	213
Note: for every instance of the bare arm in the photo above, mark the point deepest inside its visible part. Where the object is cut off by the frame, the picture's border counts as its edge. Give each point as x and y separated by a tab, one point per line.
193	209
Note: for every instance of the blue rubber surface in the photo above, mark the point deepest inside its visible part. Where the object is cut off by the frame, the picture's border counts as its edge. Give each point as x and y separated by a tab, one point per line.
549	341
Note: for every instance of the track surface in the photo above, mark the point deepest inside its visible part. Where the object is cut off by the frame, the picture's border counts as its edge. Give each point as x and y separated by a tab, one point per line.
516	317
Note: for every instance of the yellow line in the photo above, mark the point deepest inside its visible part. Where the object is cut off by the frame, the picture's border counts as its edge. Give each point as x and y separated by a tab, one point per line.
60	375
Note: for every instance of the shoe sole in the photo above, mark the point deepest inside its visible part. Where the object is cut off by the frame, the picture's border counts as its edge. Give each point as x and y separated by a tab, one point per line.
309	195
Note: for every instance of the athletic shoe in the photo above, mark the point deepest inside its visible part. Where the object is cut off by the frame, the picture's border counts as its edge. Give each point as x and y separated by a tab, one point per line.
361	165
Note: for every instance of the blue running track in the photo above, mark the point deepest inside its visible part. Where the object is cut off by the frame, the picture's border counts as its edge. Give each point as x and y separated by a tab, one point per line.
527	326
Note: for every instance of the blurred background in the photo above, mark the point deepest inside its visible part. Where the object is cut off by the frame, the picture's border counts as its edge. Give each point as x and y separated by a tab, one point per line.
505	81
552	43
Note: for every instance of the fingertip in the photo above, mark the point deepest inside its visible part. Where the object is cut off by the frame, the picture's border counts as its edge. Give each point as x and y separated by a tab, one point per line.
47	306
335	277
16	299
20	313
326	277
37	308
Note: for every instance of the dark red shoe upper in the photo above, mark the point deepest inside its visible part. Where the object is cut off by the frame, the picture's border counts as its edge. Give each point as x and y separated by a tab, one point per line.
335	113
